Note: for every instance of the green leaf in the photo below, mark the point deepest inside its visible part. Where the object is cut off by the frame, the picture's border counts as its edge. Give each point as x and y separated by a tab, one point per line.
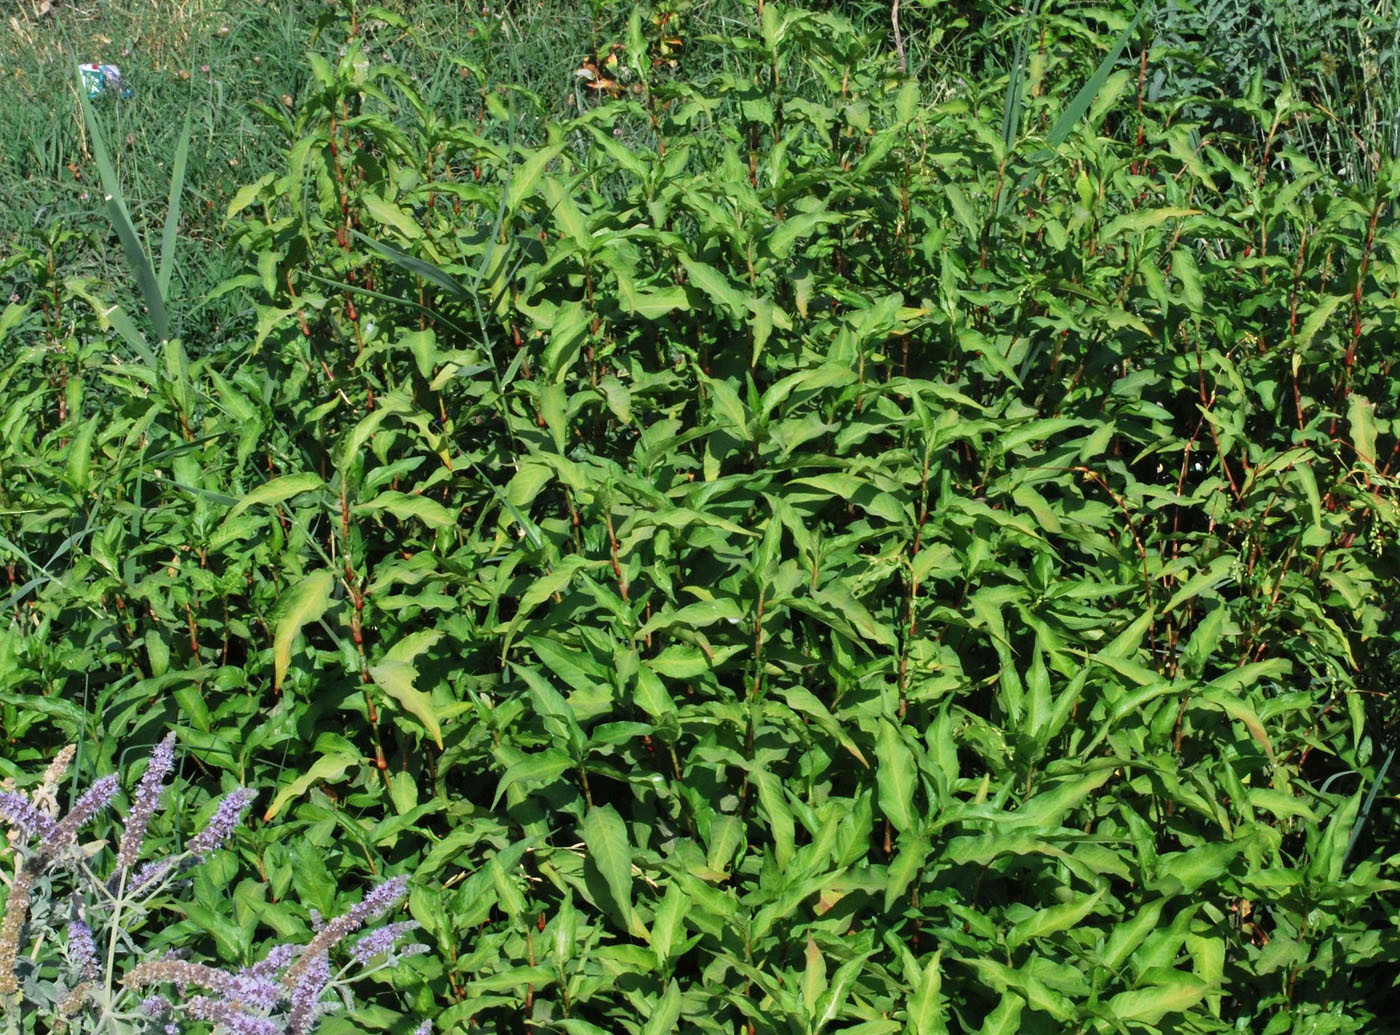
1006	1018
834	998
1052	920
1074	112
1150	1005
1142	219
172	211
386	213
896	776
666	1014
403	506
1189	870
1079	106
540	767
813	976
717	286
137	259
654	304
80	456
306	602
693	616
1185	270
1129	933
1361	416
605	836
525	175
806	703
231	939
417	267
926	1004
1313	322
328	768
792	229
396	678
905	867
779	817
567	215
276	491
1238	710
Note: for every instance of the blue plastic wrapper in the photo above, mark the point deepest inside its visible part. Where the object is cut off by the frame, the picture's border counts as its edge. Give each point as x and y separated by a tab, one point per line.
98	79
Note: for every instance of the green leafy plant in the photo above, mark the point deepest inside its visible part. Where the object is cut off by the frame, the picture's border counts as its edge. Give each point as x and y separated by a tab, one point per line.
786	547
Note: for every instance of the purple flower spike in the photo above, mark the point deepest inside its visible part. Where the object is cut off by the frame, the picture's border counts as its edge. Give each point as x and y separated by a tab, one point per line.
151	872
221	825
65	831
277	959
231	1019
306	995
144	805
81	949
380	899
22	814
379	941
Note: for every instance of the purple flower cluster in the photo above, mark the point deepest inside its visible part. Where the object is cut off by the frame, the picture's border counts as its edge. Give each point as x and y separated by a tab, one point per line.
151	872
286	993
65	831
380	899
245	1003
222	824
22	814
381	940
306	995
231	1019
82	951
143	807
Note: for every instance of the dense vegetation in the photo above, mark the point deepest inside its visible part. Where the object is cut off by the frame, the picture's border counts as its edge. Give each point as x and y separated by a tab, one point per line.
775	519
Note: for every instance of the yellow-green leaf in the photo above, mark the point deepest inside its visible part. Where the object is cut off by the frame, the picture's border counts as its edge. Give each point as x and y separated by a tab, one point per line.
327	767
1150	1005
396	678
275	491
306	602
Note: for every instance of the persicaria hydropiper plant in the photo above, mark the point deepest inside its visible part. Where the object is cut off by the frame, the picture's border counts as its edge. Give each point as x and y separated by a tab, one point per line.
69	958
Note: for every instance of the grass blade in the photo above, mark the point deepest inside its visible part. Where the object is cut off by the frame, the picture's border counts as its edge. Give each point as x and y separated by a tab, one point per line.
136	257
1079	106
1015	84
172	211
1076	109
416	266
